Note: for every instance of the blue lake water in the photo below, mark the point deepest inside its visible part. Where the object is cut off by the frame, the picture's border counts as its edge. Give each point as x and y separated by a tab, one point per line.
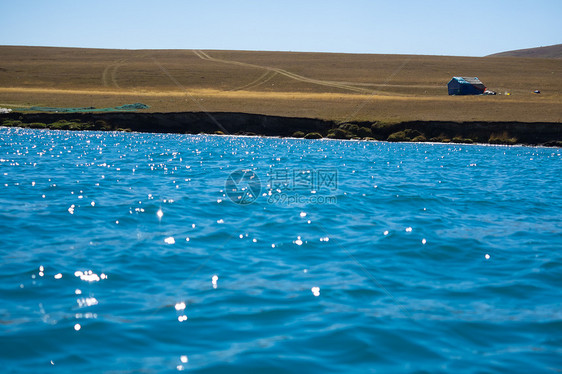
164	253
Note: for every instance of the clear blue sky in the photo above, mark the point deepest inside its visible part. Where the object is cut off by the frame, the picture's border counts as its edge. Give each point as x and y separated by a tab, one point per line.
444	27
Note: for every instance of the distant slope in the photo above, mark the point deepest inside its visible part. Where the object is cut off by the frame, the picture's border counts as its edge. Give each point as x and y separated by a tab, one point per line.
551	51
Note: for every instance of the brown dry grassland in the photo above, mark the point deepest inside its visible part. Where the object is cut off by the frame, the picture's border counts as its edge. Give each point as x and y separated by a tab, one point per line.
341	87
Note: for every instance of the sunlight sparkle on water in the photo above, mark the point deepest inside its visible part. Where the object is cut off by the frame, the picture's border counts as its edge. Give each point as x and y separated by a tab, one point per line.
89	276
87	301
180	306
214	281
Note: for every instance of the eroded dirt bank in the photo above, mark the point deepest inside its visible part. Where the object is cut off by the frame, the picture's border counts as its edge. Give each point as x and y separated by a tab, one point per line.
539	133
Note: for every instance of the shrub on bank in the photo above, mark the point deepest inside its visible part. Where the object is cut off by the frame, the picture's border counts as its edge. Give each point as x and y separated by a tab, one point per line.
398	136
60	125
364	132
507	141
313	135
339	133
502	138
12	123
458	139
349	127
404	136
419	139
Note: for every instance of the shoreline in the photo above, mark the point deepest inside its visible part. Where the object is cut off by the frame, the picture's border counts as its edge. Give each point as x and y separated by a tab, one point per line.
237	123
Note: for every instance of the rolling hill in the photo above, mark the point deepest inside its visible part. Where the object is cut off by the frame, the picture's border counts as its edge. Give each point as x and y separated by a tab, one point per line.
551	51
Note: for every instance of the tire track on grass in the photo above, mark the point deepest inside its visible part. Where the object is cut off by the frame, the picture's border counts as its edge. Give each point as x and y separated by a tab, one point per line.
264	78
204	56
109	75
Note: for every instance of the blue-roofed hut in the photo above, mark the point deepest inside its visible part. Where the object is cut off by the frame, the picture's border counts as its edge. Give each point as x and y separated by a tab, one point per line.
466	86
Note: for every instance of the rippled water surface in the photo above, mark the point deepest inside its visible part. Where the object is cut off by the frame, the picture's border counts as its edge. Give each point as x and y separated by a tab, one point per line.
125	253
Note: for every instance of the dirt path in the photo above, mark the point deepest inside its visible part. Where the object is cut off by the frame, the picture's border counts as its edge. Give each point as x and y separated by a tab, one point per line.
109	75
204	56
262	79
